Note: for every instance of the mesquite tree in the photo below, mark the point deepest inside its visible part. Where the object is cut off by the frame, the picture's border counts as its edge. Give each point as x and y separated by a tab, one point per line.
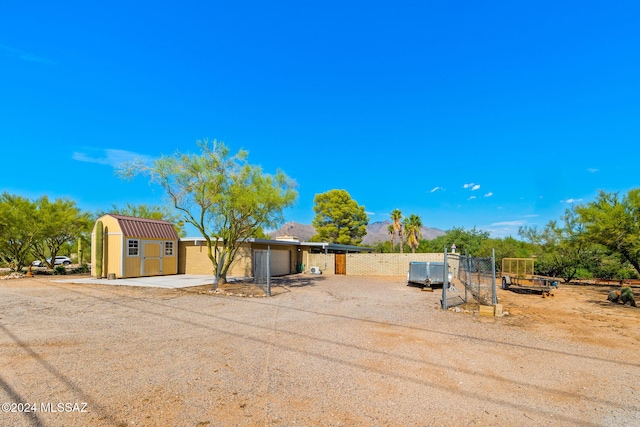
224	197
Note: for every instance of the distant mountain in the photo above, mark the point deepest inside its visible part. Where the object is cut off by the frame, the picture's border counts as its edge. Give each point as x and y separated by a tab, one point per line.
301	231
376	232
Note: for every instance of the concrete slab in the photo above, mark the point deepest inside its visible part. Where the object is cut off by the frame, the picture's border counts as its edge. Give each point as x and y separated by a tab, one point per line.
168	282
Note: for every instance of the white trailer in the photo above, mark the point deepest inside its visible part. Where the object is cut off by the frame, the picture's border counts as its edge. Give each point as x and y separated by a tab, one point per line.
427	274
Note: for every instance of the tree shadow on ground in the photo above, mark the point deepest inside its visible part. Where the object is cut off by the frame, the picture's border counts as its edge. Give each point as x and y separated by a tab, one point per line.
285	284
296	280
526	291
248	287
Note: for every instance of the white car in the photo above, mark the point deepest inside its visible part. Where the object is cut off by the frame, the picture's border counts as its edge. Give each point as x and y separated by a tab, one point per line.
59	260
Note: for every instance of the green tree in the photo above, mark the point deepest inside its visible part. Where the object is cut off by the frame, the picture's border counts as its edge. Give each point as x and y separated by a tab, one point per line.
466	241
17	230
382	247
562	250
224	197
507	247
339	218
58	224
392	235
396	217
614	223
412	227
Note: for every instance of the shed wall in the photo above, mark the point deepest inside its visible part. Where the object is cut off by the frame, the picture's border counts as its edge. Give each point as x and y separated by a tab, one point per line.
112	247
112	263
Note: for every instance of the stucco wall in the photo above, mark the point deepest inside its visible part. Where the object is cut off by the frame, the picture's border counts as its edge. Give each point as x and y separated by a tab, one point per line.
193	259
326	262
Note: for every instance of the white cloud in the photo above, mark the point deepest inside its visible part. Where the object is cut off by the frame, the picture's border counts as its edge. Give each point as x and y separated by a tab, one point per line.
570	201
434	189
489	194
370	213
516	223
592	170
468	185
111	157
471	198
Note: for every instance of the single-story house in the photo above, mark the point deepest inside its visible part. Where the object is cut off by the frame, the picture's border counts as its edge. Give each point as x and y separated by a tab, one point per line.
288	255
135	247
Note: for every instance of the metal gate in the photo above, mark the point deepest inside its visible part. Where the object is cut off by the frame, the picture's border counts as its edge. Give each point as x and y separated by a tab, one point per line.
262	270
478	277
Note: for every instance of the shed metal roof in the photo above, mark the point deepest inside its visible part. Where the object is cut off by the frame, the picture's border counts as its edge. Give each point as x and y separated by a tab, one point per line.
146	228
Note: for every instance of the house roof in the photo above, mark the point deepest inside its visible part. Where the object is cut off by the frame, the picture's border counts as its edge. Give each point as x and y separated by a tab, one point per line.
332	247
325	246
145	227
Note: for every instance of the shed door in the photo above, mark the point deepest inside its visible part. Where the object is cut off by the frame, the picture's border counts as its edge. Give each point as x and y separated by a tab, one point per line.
151	258
341	264
280	263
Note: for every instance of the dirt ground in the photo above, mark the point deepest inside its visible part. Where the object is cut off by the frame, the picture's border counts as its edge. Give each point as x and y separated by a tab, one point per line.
323	350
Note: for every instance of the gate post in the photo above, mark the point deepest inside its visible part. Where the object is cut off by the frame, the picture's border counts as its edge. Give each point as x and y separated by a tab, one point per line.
493	276
467	276
445	281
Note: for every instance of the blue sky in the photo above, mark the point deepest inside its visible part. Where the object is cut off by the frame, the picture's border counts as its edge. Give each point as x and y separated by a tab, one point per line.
492	115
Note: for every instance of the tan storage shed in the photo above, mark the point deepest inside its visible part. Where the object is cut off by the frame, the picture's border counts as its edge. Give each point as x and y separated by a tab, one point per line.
135	247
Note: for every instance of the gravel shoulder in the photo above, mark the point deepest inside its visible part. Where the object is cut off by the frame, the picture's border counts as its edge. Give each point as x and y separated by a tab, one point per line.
324	350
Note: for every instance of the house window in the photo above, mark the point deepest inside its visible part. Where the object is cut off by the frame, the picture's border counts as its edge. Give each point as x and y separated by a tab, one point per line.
133	247
168	248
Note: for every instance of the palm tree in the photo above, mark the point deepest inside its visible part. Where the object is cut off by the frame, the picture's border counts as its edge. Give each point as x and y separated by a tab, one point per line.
412	229
396	217
392	236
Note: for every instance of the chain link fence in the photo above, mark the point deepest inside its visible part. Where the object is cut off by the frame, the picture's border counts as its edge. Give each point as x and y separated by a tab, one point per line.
478	275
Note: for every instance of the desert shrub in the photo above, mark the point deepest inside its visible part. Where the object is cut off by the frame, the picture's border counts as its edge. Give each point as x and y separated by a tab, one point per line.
60	269
84	268
626	296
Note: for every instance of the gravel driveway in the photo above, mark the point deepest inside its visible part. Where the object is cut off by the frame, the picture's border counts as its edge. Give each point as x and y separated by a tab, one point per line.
324	350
